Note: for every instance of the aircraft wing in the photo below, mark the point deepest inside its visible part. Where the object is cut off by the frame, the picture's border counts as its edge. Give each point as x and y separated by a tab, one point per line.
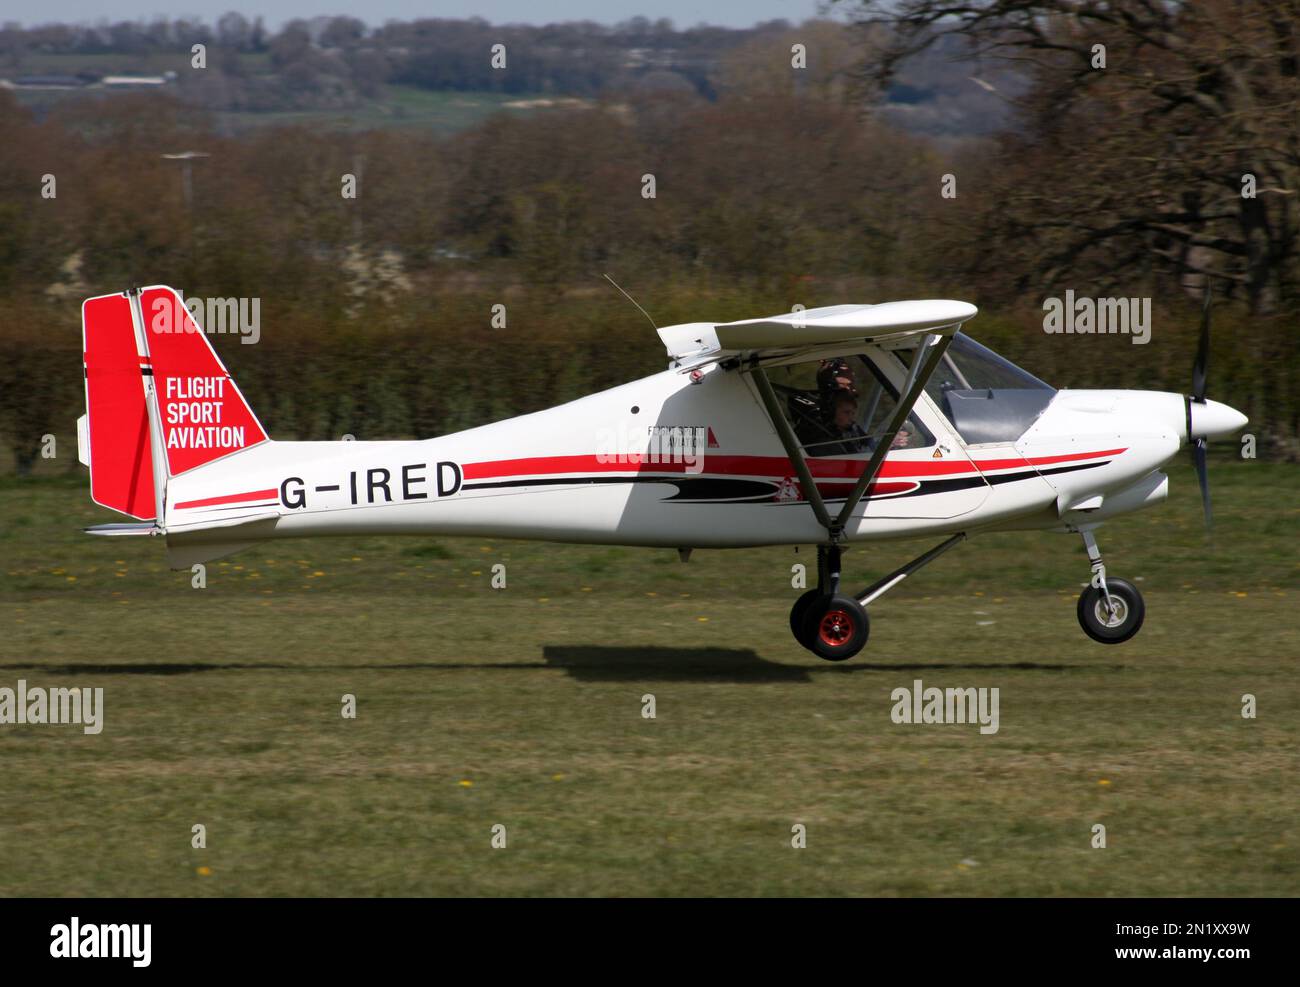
814	328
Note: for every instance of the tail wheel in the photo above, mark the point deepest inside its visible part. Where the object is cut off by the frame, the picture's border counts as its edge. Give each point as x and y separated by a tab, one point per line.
797	613
835	627
1120	621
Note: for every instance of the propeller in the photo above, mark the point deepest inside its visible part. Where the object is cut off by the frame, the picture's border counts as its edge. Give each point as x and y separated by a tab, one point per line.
1198	397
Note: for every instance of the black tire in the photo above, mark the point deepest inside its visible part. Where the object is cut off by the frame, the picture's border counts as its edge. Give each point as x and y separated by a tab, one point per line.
1130	612
797	612
835	627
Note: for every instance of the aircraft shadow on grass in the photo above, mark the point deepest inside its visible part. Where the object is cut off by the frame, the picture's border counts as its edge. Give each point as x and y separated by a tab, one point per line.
597	663
601	663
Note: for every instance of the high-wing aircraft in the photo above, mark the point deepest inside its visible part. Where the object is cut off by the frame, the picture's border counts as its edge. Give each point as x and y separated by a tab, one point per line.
827	427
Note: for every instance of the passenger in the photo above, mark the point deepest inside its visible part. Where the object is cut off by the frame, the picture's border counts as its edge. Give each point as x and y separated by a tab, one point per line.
849	438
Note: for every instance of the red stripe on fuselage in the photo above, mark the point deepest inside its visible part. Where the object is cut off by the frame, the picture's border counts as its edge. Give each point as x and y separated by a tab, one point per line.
229	499
763	466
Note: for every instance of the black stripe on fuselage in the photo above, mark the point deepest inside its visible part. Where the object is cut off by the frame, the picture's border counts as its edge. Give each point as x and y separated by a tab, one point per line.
701	488
705	489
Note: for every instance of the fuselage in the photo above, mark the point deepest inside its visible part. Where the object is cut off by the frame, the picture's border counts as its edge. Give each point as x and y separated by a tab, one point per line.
688	458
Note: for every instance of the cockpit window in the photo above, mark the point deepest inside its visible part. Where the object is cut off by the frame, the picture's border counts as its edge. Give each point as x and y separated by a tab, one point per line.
842	407
986	397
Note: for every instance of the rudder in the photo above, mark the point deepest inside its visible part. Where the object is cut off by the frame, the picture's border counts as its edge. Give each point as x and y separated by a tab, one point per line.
117	429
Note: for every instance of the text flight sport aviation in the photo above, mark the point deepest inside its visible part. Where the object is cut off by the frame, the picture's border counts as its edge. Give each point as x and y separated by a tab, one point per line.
831	426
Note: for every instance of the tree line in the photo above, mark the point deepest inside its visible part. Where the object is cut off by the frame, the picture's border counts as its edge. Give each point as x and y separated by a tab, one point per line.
377	311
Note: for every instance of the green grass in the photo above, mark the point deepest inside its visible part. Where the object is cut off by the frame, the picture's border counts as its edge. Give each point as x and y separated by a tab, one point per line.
222	708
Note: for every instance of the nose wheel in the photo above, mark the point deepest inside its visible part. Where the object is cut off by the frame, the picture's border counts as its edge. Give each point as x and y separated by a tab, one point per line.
1116	621
1110	610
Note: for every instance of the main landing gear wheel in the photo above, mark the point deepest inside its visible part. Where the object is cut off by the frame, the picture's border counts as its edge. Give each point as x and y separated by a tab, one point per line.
1118	623
797	612
834	627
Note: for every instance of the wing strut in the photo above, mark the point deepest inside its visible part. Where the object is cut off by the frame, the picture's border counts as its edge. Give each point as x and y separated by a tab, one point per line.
792	448
933	346
916	381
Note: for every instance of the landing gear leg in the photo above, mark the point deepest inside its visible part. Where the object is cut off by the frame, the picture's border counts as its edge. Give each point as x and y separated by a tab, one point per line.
828	581
827	599
827	623
1110	610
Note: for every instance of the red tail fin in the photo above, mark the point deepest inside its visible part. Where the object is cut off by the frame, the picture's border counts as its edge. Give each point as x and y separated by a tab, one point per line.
121	466
201	414
204	417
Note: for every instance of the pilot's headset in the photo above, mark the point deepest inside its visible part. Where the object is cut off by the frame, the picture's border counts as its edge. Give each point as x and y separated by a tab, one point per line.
836	375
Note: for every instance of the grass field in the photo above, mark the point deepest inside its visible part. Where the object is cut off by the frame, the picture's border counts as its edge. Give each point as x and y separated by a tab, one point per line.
522	707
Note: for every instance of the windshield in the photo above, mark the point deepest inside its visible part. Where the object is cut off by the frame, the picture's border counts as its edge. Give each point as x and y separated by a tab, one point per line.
985	396
969	366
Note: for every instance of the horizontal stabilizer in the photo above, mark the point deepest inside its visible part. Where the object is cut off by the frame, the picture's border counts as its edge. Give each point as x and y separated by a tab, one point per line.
123	529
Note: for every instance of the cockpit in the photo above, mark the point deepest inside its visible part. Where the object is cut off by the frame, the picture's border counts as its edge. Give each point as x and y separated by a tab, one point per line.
842	406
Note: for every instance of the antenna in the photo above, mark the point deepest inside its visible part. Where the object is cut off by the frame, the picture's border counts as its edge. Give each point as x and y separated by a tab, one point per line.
633	301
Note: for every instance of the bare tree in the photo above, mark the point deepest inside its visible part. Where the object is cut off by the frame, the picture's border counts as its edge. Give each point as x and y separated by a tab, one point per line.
1154	136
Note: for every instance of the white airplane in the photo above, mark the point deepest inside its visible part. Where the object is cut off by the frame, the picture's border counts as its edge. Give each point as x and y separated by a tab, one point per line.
831	426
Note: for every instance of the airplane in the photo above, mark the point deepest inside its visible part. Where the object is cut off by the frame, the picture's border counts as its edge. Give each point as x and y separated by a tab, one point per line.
828	426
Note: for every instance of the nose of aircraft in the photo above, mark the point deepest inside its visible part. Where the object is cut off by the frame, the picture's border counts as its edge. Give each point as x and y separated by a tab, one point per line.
1213	420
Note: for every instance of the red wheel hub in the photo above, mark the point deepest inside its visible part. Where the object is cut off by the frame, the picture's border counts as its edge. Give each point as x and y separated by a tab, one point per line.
836	628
